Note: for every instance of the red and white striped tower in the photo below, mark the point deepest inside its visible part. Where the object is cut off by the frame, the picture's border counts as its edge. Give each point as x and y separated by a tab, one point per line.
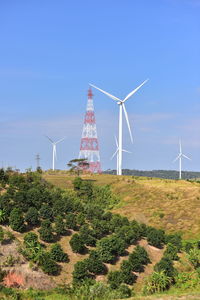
89	148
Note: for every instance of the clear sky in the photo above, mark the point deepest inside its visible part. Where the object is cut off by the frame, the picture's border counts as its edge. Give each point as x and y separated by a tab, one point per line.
50	51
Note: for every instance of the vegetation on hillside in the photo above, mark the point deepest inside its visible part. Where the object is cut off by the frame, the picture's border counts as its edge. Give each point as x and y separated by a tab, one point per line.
43	214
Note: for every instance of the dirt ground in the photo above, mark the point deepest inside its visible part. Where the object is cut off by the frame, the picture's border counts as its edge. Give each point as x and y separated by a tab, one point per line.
19	272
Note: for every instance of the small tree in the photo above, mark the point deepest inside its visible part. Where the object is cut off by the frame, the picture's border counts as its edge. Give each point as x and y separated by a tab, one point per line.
32	217
142	255
17	220
171	252
78	165
174	239
86	235
71	221
46	212
115	278
80	272
135	262
59	225
48	265
166	265
77	244
95	264
155	237
46	231
57	253
110	247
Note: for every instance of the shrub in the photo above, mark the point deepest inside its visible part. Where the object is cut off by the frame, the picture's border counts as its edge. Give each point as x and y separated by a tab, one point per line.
31	216
194	257
155	237
17	220
110	247
59	225
115	278
188	246
46	212
80	219
30	237
171	252
128	277
118	221
34	198
94	211
128	234
142	255
124	291
3	216
71	221
100	228
165	265
174	239
1	235
46	231
77	244
95	264
156	283
57	253
135	262
86	235
48	265
80	272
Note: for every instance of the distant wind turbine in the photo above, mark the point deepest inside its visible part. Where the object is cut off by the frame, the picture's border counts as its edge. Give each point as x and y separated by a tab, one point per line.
54	150
122	108
180	155
117	153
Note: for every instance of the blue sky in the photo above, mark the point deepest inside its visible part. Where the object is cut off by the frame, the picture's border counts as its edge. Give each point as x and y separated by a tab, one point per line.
51	50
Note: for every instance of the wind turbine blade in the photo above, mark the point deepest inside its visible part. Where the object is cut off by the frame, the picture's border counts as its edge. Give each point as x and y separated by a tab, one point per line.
49	139
186	156
180	146
116	142
126	151
177	158
134	91
60	140
127	120
109	95
114	154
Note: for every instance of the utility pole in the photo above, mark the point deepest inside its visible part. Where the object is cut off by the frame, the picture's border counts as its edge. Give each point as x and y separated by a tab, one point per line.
37	158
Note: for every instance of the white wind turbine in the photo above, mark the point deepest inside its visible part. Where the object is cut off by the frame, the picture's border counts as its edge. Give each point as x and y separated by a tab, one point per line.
121	108
117	153
180	155
54	150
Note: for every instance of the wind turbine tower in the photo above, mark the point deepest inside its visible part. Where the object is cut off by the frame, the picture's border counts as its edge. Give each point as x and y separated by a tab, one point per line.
180	155
89	148
121	103
54	156
117	153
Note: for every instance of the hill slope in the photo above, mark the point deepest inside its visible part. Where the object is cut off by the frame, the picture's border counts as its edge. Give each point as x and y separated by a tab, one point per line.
170	204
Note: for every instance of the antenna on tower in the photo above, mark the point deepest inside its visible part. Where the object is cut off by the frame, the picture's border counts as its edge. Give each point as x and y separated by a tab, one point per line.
89	148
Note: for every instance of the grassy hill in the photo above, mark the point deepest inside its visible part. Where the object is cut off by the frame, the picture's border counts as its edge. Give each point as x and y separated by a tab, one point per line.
173	205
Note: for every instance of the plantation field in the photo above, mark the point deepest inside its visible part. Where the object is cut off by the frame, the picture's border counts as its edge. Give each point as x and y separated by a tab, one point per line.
170	204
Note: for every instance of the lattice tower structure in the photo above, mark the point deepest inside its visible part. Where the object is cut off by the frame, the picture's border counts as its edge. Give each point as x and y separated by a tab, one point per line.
89	148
